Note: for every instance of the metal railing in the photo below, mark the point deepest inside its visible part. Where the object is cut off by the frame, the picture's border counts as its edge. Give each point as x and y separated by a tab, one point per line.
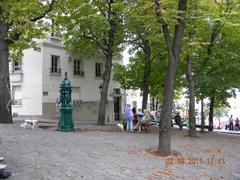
99	75
54	70
78	72
16	101
16	69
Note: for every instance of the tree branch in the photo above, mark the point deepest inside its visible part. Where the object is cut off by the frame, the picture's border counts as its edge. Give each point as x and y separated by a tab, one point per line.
95	38
163	24
132	40
100	9
104	50
179	27
210	46
50	8
14	37
216	29
136	41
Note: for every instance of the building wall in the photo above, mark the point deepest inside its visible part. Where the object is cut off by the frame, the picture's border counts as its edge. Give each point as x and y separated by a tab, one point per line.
89	94
51	81
31	83
134	98
40	88
85	112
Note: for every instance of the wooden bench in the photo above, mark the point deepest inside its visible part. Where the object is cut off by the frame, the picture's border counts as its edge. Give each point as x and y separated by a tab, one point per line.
146	125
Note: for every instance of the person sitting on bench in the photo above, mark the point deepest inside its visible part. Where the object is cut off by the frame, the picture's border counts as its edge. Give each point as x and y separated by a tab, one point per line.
145	119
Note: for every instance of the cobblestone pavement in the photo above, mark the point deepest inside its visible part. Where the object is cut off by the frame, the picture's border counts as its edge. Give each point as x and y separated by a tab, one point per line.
108	154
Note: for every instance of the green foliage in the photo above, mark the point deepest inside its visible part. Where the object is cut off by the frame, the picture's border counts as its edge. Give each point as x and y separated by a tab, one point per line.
131	76
85	26
140	27
212	40
24	21
221	111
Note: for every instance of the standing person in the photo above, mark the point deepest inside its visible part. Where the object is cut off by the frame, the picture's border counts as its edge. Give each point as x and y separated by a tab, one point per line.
134	110
231	123
237	124
135	118
157	115
128	114
58	105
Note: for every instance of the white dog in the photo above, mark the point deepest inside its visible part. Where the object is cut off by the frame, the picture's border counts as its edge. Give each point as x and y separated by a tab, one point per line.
30	123
120	126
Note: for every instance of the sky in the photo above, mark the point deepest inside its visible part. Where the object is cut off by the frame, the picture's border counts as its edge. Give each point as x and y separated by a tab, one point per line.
126	56
235	106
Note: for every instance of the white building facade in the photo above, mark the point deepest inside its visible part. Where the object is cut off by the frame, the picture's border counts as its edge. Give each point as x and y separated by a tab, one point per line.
35	82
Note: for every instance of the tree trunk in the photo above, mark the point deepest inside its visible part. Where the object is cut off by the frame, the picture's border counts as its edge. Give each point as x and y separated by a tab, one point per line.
166	111
173	59
147	66
157	102
191	88
211	109
108	65
202	117
153	104
5	92
104	93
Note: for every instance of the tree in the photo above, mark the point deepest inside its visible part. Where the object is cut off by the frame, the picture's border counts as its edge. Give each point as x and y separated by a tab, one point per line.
218	60
147	68
132	75
17	28
138	35
91	27
174	49
196	16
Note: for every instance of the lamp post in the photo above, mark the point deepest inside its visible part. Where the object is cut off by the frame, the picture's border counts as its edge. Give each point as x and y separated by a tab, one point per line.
100	88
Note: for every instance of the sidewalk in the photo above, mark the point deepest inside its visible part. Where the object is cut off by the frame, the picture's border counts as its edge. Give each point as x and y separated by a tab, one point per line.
48	154
91	125
78	125
103	152
227	131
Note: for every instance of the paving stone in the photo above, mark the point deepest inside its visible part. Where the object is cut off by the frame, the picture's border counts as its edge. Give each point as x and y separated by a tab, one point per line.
108	154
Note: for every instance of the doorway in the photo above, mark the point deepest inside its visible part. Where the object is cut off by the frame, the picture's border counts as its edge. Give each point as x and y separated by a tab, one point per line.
117	109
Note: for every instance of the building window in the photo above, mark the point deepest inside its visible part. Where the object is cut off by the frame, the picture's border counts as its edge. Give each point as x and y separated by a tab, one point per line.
78	68
116	91
98	69
55	65
17	95
16	66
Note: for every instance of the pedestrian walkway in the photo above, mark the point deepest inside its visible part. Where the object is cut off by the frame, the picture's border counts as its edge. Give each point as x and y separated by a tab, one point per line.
50	154
78	125
91	125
